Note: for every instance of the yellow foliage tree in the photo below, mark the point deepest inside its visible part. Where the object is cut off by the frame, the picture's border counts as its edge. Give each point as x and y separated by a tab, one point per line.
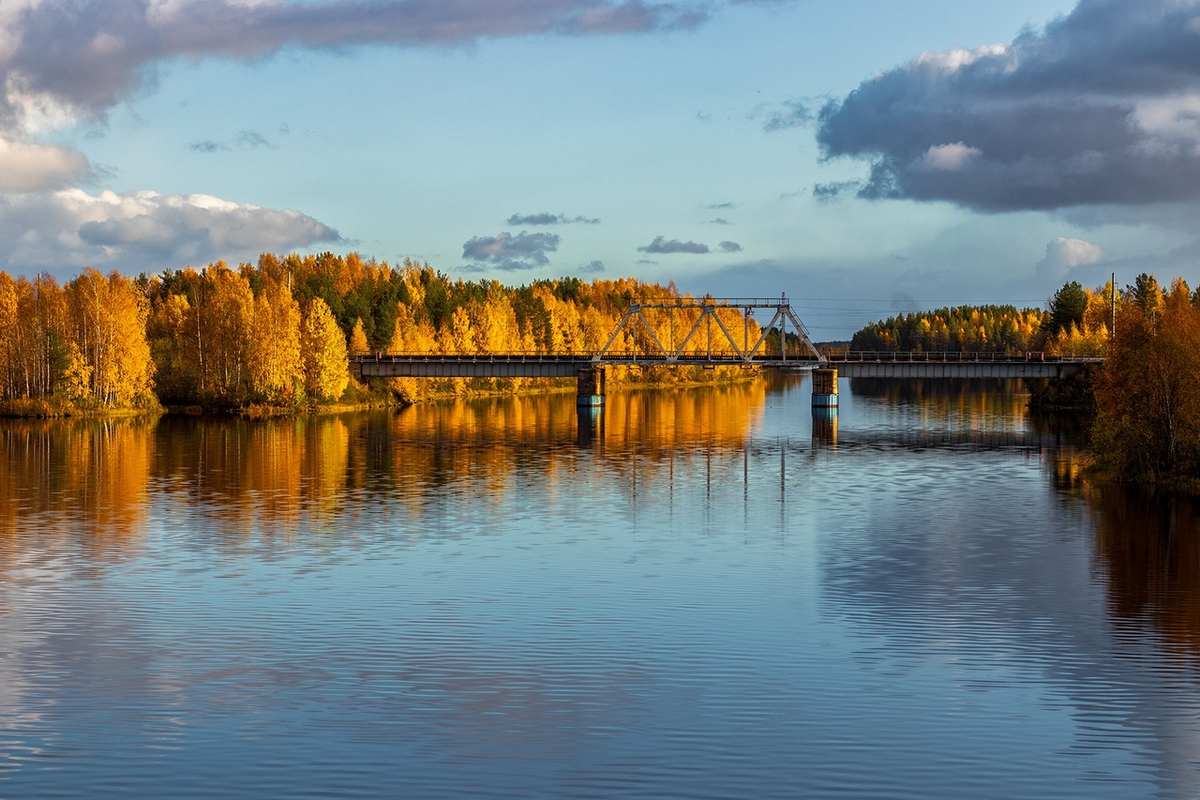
326	373
276	366
110	317
358	339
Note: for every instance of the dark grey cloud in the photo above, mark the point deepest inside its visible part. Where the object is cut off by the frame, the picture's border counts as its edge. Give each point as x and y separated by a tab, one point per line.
730	247
826	192
592	268
663	245
794	114
89	54
507	252
546	218
1100	107
719	206
719	221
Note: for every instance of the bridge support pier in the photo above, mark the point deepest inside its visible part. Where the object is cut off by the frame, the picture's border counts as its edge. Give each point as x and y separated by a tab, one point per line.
825	389
589	387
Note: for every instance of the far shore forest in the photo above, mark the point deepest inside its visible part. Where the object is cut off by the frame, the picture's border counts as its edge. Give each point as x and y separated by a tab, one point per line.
276	335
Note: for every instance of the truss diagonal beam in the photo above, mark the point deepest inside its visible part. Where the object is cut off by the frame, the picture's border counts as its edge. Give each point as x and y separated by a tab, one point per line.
708	307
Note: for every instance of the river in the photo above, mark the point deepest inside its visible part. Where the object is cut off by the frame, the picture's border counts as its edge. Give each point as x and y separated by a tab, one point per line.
706	594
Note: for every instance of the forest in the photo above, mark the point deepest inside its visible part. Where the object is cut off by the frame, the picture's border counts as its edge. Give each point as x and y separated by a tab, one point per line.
1076	322
276	334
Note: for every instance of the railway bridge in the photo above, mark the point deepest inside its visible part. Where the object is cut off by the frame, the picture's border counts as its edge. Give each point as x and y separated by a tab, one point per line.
709	333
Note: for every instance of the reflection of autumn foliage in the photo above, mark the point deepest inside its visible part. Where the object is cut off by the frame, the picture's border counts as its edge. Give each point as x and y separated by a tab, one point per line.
942	402
269	478
84	478
256	477
1149	552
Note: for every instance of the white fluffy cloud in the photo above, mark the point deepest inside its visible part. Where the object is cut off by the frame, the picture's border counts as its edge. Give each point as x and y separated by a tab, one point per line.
1062	254
142	231
27	167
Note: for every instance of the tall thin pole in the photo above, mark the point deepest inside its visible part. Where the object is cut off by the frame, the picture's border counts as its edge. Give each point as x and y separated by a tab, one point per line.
1112	306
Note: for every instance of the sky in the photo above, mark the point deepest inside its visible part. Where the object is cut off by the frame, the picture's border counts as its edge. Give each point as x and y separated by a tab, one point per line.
863	157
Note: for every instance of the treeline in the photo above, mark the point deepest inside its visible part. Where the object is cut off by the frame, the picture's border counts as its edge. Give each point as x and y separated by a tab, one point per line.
278	332
984	329
1077	322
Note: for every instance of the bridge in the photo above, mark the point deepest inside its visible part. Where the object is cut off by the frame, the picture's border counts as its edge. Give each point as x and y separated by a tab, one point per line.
704	332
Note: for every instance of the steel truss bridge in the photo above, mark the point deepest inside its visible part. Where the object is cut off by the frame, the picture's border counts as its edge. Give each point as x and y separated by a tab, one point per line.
709	333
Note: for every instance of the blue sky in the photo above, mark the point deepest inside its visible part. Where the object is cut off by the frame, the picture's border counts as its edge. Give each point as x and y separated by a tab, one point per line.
864	157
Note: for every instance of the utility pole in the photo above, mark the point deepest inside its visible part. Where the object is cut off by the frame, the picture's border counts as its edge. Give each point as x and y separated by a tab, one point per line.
1112	306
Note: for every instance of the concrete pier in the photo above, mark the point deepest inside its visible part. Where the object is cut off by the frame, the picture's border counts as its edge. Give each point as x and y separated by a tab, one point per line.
590	386
825	388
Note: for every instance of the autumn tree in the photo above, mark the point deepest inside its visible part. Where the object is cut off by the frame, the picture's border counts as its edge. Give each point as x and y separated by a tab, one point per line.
1147	426
276	363
358	339
326	372
110	317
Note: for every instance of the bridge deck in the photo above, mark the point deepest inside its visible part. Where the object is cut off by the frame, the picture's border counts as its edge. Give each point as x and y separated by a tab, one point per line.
852	365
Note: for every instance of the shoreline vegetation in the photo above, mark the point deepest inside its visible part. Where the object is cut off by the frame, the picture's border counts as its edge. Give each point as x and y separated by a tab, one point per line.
272	338
1141	408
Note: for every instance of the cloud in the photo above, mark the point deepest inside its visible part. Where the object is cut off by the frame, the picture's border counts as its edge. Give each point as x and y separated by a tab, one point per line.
245	140
1062	254
546	218
80	57
719	221
509	253
730	247
254	140
828	192
1100	107
26	167
208	146
719	206
794	115
591	268
142	231
662	245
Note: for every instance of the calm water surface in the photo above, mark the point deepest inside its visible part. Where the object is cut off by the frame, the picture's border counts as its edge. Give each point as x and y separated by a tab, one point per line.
707	595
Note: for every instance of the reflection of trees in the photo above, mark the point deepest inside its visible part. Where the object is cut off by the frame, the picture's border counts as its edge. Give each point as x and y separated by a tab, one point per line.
84	478
947	403
1149	552
268	477
946	396
256	476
